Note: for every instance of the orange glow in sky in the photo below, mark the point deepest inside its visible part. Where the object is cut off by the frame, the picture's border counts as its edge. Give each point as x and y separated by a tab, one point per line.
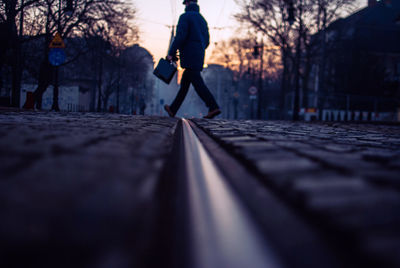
154	17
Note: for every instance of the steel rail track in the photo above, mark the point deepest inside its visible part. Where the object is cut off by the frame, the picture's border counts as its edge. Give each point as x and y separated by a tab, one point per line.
215	213
223	232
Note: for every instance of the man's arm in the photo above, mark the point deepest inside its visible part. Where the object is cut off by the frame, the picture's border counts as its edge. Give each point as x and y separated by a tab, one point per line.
181	35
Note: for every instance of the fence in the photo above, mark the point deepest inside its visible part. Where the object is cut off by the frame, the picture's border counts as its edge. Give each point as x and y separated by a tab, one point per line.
76	108
346	107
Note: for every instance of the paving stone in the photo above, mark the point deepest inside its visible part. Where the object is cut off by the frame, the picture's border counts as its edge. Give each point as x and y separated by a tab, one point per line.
368	218
352	200
329	185
235	139
276	166
385	246
251	147
272	137
294	145
380	174
79	184
382	156
336	148
394	163
345	177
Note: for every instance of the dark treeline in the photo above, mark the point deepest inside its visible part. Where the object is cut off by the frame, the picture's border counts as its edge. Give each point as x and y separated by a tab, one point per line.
316	55
98	37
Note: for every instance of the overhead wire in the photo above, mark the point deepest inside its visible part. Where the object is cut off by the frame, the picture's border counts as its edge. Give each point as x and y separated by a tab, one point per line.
173	11
169	26
217	27
154	22
220	13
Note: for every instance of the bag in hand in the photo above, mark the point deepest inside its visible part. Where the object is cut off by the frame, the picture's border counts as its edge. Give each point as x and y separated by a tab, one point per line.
165	70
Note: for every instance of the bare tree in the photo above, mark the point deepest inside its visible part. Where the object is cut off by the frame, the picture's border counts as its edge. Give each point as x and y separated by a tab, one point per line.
252	62
294	38
269	18
11	20
236	54
87	18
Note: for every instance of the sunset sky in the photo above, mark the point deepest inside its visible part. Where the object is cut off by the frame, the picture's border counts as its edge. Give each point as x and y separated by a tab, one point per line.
155	15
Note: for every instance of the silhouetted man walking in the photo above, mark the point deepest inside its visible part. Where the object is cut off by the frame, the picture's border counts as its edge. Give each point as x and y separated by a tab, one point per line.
192	39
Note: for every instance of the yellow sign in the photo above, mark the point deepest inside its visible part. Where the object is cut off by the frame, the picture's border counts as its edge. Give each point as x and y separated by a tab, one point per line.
57	42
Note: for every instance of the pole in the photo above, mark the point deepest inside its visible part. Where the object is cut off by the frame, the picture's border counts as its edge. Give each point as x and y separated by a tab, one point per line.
132	96
21	20
260	90
55	106
296	106
321	79
17	77
119	81
235	108
251	109
375	109
99	84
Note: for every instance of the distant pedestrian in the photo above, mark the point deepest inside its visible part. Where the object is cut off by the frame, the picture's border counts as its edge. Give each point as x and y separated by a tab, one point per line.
192	39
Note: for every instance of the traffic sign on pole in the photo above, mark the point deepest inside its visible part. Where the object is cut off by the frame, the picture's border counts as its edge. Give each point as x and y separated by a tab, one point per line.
57	42
253	90
57	56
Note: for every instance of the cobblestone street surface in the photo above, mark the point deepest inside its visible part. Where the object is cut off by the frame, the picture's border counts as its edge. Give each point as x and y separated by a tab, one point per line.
76	190
80	189
345	178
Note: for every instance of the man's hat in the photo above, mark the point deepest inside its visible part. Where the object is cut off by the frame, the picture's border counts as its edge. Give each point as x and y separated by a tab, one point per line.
185	1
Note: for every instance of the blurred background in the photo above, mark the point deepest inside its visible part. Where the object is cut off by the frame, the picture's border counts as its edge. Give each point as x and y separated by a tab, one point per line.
335	60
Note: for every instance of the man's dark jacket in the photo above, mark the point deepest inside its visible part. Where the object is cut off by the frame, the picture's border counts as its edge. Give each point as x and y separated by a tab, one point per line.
192	38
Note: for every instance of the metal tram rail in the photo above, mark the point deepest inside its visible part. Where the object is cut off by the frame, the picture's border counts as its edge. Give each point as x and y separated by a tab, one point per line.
222	216
223	233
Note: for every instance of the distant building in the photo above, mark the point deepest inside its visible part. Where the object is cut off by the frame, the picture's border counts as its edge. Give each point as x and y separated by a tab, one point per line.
362	65
137	81
125	78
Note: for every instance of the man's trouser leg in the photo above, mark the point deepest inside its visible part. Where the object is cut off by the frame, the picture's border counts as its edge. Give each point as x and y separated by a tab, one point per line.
202	90
180	97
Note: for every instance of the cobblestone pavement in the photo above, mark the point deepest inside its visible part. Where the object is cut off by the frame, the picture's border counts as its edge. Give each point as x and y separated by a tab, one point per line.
344	178
76	189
